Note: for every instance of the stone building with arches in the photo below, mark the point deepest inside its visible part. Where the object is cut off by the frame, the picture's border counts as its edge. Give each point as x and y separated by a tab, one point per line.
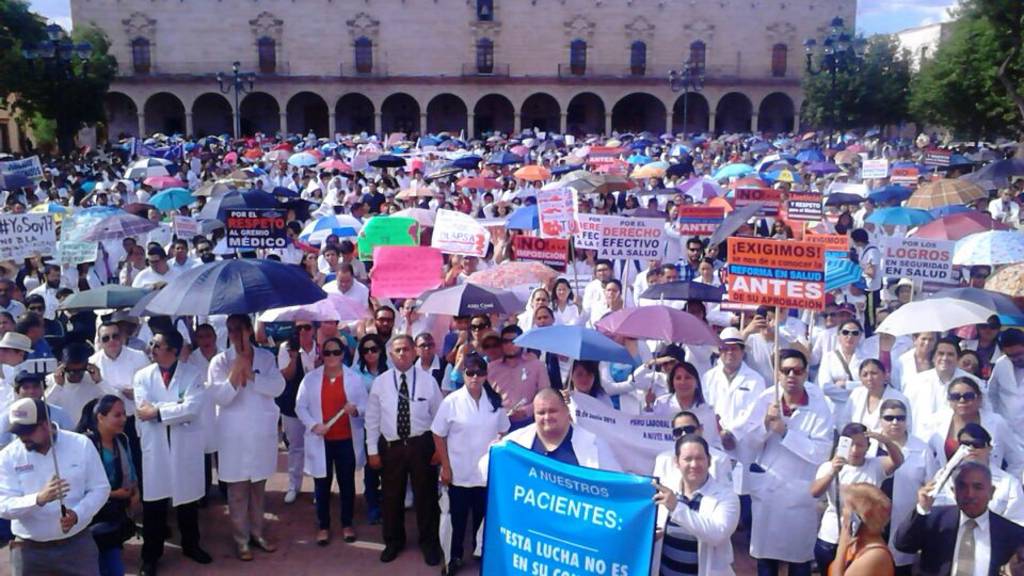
472	66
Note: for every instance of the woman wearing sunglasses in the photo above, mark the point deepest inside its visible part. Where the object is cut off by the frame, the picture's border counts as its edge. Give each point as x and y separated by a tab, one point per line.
330	404
839	372
919	466
371	361
865	402
964	399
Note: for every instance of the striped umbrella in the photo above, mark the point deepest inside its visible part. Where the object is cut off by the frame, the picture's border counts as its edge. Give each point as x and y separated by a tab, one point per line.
342	225
841	272
945	192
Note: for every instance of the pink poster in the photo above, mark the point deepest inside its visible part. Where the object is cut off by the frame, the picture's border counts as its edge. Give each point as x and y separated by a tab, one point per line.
404	271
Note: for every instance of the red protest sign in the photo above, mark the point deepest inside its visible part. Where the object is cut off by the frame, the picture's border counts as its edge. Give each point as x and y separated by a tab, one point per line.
776	273
699	220
551	251
904	175
405	271
771	197
831	242
936	157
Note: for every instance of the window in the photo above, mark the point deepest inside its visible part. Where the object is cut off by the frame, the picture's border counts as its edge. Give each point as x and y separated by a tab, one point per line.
140	56
697	54
779	57
364	55
267	51
485	56
638	58
578	57
485	10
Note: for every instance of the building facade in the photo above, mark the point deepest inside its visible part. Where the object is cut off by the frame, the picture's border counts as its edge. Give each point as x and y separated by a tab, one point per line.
923	41
473	66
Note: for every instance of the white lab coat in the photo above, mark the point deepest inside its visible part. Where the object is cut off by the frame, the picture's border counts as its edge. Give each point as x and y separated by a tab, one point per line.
309	411
247	418
172	469
591	451
712	525
934	430
855	409
785	515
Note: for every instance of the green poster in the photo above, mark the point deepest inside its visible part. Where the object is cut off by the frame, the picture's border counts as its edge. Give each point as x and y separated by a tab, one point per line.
387	231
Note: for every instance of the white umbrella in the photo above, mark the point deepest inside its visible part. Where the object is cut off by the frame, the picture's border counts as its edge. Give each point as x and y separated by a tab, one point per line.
933	315
142	169
334	307
990	248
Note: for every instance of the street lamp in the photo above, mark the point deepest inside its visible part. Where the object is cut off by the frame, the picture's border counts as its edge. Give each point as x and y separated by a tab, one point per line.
841	53
57	53
240	83
689	79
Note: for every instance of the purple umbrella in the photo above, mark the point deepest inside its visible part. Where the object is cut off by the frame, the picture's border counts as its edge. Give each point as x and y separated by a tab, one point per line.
118	226
659	323
821	168
701	189
470	299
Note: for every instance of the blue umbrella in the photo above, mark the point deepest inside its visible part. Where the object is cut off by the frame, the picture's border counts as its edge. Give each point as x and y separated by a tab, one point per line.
562	169
172	199
942	211
575	342
340	225
286	192
388	161
890	193
640	144
302	159
471	162
733	171
524	218
899	216
504	158
217	208
237	286
840	272
638	159
810	155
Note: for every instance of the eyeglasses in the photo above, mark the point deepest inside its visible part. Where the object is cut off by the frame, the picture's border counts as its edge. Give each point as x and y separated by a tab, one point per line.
74	371
683	430
157	345
304	327
425	345
962	396
475	373
337	352
479	326
895	417
492	344
793	371
371	350
828	314
850	332
508	340
109	337
971	443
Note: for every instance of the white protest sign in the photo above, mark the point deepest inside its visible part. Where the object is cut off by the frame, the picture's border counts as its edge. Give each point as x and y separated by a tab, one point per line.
25	235
624	238
30	168
458	233
848	188
71	252
184	227
588	235
919	259
634	440
877	168
556	210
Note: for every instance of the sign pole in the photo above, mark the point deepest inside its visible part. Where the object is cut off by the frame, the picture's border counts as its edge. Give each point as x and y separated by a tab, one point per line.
775	359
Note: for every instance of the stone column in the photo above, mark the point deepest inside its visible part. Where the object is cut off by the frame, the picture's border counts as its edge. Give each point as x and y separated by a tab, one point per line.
470	126
517	124
423	123
669	121
332	125
562	123
284	123
608	124
142	125
753	122
377	123
711	122
188	124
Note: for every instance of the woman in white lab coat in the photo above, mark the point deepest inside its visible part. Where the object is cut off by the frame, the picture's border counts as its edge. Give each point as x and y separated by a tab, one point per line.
865	402
244	381
686	393
839	372
337	448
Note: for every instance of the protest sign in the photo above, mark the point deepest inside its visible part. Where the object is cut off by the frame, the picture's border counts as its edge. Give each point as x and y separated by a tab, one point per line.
623	238
936	157
72	252
804	207
25	235
777	273
636	440
253	229
548	517
458	233
551	251
184	227
699	220
831	242
918	259
556	210
387	231
856	188
770	196
877	168
904	175
588	235
29	168
405	271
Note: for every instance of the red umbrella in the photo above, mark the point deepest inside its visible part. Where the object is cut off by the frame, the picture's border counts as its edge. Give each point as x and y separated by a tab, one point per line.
478	182
959	225
335	164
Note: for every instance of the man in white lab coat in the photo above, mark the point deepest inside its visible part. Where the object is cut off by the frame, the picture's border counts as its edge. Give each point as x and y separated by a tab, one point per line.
168	400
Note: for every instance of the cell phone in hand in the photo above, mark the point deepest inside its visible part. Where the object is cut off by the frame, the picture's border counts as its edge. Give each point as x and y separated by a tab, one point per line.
843	448
855	523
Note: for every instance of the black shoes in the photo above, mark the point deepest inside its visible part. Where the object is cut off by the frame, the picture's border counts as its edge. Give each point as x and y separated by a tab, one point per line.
453	567
389	554
147	569
198	555
432	556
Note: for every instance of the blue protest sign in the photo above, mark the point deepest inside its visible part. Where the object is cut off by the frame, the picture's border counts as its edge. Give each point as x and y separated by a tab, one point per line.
547	518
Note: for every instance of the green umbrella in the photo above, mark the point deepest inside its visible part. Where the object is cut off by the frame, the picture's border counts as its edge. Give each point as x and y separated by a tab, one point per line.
109	296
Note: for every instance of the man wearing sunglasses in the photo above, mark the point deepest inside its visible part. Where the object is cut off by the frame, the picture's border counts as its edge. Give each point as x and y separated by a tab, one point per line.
789	432
517	377
665	468
75	381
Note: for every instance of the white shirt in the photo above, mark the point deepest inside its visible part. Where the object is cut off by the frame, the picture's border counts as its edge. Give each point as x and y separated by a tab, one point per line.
732	398
382	407
308	358
23	474
73	396
119	373
358	292
1006	394
470	427
982	544
927	395
149	278
870	472
50	297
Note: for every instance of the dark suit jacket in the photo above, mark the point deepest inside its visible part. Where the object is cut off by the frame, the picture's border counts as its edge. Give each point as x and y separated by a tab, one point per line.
934	536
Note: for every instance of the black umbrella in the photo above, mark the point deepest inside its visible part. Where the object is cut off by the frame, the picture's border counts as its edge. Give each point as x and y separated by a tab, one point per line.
843	198
680	169
736	219
109	296
388	161
684	291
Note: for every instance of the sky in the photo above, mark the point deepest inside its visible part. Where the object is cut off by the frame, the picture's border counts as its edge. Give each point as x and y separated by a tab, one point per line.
873	16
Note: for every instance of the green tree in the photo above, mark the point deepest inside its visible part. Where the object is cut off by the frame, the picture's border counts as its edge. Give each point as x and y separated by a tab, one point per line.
71	94
874	92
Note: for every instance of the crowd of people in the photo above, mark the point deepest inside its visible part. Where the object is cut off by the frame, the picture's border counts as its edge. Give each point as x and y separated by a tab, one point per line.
817	434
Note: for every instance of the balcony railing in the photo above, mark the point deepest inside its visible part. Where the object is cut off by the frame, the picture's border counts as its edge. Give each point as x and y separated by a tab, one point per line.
376	70
198	69
472	69
621	71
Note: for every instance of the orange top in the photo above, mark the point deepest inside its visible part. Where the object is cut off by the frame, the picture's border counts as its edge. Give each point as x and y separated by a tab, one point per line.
332	400
854	551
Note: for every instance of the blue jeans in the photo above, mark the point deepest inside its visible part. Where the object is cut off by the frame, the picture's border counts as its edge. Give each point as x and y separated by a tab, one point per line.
767	567
340	460
111	563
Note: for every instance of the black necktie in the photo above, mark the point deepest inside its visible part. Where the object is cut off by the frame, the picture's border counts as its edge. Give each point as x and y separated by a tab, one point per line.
404	424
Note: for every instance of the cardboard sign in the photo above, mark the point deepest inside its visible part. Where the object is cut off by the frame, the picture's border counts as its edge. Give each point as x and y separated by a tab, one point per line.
699	220
588	235
29	168
831	242
804	207
777	273
405	271
25	235
936	157
919	259
71	252
622	238
254	229
458	233
387	231
877	168
184	227
556	210
748	196
904	175
551	251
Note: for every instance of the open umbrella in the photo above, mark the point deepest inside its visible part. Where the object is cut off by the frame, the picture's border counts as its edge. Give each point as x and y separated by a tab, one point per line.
701	189
442	173
278	155
479	183
899	216
216	188
341	225
104	297
958	226
469	299
661	323
933	315
998	172
470	162
147	167
237	286
1008	280
504	158
302	159
734	221
335	164
733	171
513	273
524	218
217	208
990	248
1009	312
388	161
945	192
822	168
890	193
842	199
422	216
161	182
116	227
533	173
575	342
684	290
172	199
335	307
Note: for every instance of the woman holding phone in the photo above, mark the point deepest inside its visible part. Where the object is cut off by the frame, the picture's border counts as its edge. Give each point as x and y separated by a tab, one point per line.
862	550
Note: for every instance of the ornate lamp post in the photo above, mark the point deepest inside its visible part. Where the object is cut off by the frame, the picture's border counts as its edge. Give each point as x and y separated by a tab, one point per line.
239	83
57	54
841	53
690	78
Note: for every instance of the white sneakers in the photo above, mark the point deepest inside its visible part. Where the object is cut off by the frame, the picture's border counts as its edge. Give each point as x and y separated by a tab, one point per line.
290	496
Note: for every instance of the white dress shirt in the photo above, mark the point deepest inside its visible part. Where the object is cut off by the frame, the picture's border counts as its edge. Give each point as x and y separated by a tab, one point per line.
119	373
149	278
382	407
470	427
72	396
982	544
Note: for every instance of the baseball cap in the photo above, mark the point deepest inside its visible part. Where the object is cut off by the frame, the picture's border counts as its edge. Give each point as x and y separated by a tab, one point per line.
847	307
731	336
25	414
25	376
16	341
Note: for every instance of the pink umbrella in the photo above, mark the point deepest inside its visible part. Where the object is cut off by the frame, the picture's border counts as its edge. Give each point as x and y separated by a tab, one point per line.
513	273
958	226
701	189
659	323
335	164
520	150
161	182
231	158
